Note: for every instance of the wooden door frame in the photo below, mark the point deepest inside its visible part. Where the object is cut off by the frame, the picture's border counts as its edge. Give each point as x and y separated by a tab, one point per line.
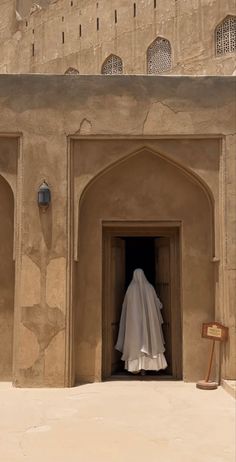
171	229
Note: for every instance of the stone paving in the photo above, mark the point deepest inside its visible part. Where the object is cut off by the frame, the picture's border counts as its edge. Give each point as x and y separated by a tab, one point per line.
134	421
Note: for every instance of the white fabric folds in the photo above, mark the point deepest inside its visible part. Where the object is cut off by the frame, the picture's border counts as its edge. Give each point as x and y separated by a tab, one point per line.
140	338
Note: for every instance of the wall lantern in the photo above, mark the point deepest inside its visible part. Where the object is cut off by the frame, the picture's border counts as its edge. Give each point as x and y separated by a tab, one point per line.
44	196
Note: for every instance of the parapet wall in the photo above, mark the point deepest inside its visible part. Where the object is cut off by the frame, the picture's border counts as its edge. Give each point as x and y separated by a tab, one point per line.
82	33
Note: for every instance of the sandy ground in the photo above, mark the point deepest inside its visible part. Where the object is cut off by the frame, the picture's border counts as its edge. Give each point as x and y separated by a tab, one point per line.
117	422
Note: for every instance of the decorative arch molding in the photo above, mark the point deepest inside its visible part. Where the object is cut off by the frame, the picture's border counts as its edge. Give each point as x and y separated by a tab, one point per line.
159	56
225	36
90	181
113	65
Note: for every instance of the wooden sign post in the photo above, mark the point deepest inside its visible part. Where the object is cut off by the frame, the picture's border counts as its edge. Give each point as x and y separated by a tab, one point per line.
215	332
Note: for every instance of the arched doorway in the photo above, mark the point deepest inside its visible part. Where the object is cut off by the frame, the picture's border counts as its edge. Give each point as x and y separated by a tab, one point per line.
145	188
7	275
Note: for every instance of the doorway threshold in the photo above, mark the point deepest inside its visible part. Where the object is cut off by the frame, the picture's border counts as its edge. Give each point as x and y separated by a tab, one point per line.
124	376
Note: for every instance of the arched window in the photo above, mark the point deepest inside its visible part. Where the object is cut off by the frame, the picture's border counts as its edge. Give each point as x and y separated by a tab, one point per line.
159	56
225	36
71	71
113	65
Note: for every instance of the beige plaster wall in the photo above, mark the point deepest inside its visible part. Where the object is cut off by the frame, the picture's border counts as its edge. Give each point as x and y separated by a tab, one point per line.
188	25
45	112
8	151
43	270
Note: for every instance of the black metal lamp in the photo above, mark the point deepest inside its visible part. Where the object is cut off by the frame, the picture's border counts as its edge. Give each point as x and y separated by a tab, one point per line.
44	196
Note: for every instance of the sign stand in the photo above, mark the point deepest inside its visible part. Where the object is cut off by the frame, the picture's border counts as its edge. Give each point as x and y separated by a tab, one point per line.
213	331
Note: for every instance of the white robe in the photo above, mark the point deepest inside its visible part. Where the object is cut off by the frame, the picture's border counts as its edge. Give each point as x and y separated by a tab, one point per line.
140	337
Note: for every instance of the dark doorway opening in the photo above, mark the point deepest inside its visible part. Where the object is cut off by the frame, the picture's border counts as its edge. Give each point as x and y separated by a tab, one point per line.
139	253
156	254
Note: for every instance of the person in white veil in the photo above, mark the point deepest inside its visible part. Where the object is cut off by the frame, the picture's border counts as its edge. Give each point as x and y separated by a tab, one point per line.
140	338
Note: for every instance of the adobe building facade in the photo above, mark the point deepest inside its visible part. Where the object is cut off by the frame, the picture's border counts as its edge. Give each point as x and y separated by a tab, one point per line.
142	172
145	158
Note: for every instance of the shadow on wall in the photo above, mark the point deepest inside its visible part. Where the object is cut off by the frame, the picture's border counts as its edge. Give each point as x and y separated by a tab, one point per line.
46	226
7	279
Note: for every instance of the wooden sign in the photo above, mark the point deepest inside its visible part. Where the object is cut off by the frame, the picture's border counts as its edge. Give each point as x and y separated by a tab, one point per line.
215	331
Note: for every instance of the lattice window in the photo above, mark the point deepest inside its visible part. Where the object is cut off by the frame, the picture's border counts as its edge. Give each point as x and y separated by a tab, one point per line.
159	56
112	65
226	36
71	71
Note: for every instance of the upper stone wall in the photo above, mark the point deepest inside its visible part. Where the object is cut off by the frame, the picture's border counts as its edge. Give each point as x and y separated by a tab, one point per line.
81	34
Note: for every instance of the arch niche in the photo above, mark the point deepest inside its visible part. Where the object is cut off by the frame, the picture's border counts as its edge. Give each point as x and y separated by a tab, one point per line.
7	275
72	71
145	187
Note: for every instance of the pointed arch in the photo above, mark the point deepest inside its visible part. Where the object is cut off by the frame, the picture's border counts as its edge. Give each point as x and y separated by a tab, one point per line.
179	167
71	71
196	178
225	36
113	65
159	56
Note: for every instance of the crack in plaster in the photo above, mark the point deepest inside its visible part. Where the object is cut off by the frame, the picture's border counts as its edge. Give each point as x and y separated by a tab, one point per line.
169	107
85	127
150	108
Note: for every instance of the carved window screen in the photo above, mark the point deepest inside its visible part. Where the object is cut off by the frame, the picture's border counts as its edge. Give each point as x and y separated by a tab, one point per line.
159	56
226	36
113	65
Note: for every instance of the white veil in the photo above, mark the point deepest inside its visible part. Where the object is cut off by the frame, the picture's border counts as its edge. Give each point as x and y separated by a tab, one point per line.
140	331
